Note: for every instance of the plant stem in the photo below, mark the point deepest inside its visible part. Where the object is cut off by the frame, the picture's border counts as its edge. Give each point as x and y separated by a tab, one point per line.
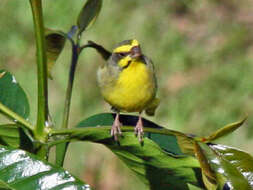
74	59
72	135
14	116
123	129
42	114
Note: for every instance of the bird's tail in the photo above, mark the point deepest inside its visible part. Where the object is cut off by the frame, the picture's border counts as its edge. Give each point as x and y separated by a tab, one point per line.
150	110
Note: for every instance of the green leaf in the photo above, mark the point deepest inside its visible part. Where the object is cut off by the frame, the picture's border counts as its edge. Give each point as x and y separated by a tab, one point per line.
225	130
157	168
12	95
55	42
61	150
172	142
208	175
9	135
193	187
21	170
154	166
4	186
98	119
88	14
217	166
15	136
233	167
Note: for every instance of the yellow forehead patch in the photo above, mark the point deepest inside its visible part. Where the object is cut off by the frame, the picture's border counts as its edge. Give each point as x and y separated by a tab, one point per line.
126	48
135	43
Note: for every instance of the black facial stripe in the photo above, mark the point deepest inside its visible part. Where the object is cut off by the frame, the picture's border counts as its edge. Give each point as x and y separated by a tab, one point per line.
127	65
115	57
123	54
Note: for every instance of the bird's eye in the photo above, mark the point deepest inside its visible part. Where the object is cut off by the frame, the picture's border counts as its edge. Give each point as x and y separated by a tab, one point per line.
122	54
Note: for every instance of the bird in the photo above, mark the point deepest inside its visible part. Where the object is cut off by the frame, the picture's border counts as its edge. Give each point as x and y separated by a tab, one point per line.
127	82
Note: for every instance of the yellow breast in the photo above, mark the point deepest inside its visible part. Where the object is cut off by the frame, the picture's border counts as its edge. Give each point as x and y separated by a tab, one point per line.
133	90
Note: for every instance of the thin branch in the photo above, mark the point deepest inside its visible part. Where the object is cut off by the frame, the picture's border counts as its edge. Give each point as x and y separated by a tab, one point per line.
100	49
71	135
84	130
15	117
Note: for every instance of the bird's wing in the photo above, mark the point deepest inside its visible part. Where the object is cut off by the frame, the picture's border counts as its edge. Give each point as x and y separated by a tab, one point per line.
152	68
149	63
150	110
107	74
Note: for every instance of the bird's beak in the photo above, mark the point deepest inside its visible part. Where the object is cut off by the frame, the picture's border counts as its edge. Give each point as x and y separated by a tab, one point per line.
135	52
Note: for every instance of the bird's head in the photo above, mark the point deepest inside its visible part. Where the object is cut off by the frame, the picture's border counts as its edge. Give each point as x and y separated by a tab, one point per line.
127	52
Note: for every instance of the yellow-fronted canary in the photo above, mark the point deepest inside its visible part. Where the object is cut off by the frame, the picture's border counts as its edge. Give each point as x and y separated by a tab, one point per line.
127	82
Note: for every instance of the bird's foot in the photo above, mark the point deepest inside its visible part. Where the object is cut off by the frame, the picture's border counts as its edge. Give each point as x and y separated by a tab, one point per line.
115	130
138	130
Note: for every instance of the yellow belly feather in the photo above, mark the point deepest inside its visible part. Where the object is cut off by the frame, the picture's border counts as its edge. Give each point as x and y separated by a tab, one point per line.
134	89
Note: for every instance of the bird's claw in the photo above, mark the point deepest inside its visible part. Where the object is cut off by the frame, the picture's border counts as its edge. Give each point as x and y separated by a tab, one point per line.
115	130
138	130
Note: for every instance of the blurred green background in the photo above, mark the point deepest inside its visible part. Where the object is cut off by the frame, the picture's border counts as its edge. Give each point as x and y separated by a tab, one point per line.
202	52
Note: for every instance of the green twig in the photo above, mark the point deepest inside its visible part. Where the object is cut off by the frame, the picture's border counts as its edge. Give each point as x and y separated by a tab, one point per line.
42	114
14	116
72	131
71	135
